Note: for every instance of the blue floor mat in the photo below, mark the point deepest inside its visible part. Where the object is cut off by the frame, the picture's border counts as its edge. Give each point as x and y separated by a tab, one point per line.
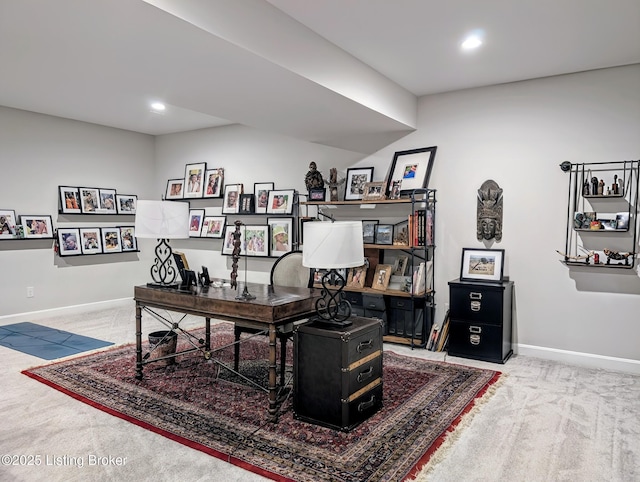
46	343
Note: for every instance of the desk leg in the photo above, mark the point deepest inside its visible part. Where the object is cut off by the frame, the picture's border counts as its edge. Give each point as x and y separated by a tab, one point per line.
138	342
273	409
207	334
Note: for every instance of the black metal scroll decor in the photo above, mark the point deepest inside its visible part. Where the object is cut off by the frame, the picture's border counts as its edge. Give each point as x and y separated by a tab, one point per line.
332	307
162	270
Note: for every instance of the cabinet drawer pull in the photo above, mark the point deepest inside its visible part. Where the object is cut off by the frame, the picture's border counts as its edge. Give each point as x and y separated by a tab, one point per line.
362	376
475	296
474	339
476	305
364	345
362	406
475	329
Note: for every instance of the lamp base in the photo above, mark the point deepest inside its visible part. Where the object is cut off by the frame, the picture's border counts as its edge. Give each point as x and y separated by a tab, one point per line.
169	286
245	295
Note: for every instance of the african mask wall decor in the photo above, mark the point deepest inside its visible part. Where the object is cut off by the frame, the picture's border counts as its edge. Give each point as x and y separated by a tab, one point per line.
489	211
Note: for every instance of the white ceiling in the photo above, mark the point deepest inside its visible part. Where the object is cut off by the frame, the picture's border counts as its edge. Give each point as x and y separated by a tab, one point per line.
345	73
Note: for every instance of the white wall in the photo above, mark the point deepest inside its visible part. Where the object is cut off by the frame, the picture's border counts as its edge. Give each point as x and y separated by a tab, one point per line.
38	153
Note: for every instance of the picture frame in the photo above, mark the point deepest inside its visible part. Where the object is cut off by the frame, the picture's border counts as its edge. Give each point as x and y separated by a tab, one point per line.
280	201
107	201
247	204
413	167
37	227
357	177
126	203
89	200
231	201
357	277
194	178
128	238
280	235
68	242
196	220
256	239
69	200
91	240
8	224
302	220
374	191
382	277
214	183
175	189
482	264
213	227
622	221
401	233
396	188
261	192
227	245
317	194
111	242
400	265
369	231
384	234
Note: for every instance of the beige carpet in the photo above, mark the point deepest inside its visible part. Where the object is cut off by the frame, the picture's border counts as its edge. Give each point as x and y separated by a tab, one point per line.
547	422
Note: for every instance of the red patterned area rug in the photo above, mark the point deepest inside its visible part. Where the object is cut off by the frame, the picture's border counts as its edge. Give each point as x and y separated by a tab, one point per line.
209	409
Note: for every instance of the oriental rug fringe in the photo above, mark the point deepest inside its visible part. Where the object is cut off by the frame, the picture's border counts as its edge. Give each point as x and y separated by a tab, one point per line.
197	403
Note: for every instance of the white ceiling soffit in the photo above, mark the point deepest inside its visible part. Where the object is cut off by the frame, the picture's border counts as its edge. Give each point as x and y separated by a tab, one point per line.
103	61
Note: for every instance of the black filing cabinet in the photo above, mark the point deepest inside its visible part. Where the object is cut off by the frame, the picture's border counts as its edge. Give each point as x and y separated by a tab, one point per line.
337	372
480	320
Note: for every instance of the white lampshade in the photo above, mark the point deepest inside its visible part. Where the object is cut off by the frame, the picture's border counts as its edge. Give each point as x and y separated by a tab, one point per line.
162	219
330	245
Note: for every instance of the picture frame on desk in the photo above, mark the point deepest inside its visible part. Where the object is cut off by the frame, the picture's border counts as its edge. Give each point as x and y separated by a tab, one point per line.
175	188
69	200
412	167
357	177
482	265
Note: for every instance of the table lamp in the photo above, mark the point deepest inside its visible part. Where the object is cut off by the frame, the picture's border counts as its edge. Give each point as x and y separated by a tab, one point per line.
162	220
333	246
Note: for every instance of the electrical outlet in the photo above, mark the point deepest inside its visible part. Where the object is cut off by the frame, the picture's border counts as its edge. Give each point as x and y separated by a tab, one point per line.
30	293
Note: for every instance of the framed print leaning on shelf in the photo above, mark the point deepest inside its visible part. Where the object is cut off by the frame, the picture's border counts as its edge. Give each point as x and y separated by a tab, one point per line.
382	277
213	226
214	182
68	241
261	191
37	226
412	168
374	191
482	264
7	224
194	179
256	239
231	201
356	179
174	189
91	240
107	201
281	235
69	200
126	203
196	218
357	277
369	231
384	233
280	202
128	238
111	240
89	200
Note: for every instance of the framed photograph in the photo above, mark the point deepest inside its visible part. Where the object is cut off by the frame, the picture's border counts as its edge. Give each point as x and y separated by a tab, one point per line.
482	264
126	203
213	226
401	234
281	235
357	276
107	201
382	277
400	265
396	187
194	180
7	224
373	191
303	220
227	246
280	202
196	219
128	238
214	182
91	240
68	242
69	200
261	191
37	226
317	194
369	231
247	204
89	200
356	180
622	221
384	233
231	202
256	239
317	276
175	188
111	240
413	168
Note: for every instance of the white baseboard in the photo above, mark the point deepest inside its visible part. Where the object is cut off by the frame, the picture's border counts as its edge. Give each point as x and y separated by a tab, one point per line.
582	359
66	310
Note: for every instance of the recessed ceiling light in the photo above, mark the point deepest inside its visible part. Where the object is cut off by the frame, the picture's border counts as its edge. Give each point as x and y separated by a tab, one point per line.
472	41
158	106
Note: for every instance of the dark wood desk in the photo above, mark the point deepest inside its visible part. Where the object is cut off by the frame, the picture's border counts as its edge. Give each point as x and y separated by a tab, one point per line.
272	307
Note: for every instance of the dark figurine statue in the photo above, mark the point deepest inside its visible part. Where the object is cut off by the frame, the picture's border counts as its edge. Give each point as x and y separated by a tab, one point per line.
313	179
